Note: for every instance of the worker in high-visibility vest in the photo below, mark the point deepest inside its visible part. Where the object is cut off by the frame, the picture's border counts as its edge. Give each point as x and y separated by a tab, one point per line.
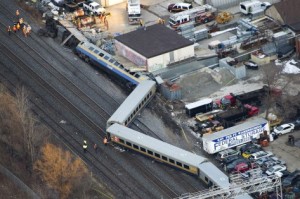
18	26
84	146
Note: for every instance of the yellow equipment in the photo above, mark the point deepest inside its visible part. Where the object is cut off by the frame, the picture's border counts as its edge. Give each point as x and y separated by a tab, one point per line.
224	17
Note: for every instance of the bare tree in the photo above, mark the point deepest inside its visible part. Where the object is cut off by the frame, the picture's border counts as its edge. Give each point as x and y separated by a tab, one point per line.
277	83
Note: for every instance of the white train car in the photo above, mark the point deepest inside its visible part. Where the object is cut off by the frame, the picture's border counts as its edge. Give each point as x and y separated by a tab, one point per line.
134	103
168	154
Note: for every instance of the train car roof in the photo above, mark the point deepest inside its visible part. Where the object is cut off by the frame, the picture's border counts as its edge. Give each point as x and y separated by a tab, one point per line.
156	145
130	103
241	127
215	174
198	103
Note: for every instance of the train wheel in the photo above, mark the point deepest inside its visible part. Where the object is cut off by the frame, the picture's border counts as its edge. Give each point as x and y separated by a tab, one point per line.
87	59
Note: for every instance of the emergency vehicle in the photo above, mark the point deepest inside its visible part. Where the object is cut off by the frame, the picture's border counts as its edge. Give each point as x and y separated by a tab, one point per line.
197	15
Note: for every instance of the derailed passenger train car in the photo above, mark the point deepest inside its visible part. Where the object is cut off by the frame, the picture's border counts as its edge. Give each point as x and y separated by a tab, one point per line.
168	154
134	103
95	55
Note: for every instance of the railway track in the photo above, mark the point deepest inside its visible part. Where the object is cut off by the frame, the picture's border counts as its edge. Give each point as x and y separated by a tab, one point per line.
55	94
72	142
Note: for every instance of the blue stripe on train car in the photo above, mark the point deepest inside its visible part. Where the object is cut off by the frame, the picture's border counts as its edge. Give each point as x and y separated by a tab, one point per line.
107	66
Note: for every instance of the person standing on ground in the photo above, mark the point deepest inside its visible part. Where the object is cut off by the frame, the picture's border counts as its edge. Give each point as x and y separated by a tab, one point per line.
9	30
14	28
84	146
96	147
105	141
18	26
17	13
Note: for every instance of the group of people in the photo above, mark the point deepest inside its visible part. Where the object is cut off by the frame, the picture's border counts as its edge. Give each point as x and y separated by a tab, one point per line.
85	146
19	25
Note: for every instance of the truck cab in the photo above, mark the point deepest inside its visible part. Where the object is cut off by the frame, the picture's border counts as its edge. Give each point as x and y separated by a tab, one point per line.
93	7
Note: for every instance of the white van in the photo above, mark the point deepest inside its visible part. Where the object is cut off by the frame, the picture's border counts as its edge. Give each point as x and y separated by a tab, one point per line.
226	153
179	7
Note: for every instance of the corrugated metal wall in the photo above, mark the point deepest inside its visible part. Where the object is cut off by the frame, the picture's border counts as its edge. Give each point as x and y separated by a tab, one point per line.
222	4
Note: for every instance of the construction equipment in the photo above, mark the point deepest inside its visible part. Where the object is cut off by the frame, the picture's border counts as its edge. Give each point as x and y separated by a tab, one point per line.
224	17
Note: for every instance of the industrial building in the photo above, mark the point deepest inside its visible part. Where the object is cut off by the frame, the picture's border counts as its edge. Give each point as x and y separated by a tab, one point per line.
154	47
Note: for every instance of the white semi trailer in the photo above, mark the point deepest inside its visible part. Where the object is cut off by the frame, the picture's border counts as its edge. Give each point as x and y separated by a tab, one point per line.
234	136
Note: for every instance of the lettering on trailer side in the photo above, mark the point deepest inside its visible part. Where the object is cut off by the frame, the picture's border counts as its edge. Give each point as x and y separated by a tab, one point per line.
239	137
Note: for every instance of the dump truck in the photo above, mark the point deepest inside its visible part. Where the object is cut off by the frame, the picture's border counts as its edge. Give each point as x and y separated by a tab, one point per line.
234	136
232	115
133	8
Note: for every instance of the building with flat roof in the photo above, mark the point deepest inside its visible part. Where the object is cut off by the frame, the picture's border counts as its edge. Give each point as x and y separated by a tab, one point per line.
154	46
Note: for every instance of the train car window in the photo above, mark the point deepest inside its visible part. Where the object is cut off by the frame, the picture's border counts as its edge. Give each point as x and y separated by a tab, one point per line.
122	141
91	48
106	57
140	106
143	149
137	75
101	54
172	161
206	179
116	63
135	146
111	60
150	152
179	164
128	143
164	158
186	166
157	155
121	66
96	51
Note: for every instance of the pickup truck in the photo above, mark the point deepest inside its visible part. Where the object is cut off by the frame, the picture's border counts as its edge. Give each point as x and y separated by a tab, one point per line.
93	7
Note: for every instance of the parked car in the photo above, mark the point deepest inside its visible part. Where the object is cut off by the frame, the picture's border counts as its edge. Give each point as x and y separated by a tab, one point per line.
277	160
244	166
226	153
230	159
259	154
282	174
291	179
247	146
251	65
230	167
249	152
266	165
262	160
284	128
275	168
179	7
297	123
